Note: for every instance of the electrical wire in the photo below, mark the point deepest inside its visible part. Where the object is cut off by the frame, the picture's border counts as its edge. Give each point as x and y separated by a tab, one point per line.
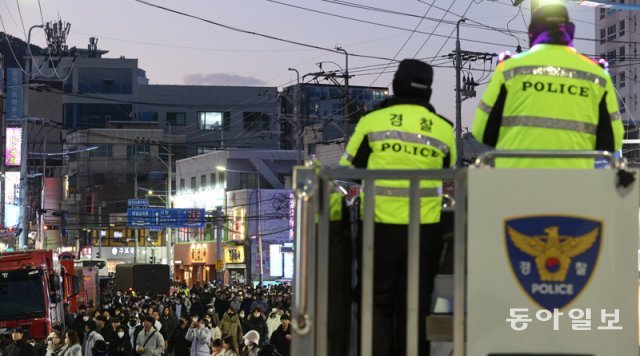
253	33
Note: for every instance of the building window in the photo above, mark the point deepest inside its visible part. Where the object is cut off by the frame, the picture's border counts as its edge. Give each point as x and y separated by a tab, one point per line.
603	13
611	57
623	79
102	151
613	78
177	118
221	179
214	120
203	181
611	33
193	183
181	183
140	150
213	180
311	149
622	28
623	109
603	35
256	121
247	180
622	54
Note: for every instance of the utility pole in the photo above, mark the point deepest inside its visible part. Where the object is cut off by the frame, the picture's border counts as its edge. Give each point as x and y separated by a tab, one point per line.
220	215
135	195
459	148
3	127
43	232
345	105
24	219
169	239
260	228
296	116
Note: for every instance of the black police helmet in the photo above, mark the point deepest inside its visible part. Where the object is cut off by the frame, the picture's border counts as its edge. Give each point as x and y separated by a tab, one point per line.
549	17
413	79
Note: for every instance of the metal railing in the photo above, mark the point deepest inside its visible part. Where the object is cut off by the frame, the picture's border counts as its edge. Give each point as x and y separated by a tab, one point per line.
614	162
310	313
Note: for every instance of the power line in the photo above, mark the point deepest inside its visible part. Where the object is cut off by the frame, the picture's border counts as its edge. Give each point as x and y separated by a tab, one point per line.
236	29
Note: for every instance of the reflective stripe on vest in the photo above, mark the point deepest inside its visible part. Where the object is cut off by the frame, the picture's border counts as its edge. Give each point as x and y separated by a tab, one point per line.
348	157
404	192
615	116
547	123
553	71
484	107
408	137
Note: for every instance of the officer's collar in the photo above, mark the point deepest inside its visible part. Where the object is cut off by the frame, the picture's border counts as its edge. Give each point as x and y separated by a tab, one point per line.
413	101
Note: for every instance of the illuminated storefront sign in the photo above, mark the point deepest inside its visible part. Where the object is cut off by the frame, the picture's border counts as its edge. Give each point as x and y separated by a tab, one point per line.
237	228
13	151
11	196
234	254
198	252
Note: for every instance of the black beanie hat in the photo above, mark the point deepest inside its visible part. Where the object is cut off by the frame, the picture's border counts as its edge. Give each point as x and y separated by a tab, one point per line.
413	79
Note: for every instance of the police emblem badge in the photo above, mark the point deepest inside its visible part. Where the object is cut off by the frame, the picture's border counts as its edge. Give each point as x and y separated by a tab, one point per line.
553	257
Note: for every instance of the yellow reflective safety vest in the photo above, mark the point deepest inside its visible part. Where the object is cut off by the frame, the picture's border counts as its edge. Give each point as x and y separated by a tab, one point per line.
403	134
549	98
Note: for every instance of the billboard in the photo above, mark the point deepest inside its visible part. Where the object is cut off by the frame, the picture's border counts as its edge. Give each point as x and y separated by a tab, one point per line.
11	198
14	94
13	149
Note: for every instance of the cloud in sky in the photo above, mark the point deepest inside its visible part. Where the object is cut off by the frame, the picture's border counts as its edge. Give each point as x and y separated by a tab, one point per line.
222	79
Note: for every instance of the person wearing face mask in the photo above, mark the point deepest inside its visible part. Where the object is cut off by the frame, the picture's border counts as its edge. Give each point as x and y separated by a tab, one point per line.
134	329
273	321
216	333
256	322
200	337
80	321
178	345
54	344
230	324
251	342
121	345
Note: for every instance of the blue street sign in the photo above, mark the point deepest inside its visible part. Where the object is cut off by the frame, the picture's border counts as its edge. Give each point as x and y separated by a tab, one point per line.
159	218
142	203
14	94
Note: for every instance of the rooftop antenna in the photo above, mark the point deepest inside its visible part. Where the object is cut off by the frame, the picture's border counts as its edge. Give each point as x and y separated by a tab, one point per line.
57	32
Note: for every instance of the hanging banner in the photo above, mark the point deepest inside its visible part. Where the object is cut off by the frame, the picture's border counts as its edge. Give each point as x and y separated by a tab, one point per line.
14	94
13	150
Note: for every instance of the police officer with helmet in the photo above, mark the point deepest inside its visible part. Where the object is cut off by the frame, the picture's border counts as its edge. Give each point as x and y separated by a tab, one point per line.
404	133
549	98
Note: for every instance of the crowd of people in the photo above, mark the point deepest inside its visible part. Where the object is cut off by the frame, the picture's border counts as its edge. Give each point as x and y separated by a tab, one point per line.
206	320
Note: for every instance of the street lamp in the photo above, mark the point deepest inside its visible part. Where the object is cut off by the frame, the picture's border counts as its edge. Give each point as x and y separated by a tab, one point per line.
257	173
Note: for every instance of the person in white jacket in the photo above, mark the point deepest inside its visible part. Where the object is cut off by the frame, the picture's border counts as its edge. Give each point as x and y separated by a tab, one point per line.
200	337
90	337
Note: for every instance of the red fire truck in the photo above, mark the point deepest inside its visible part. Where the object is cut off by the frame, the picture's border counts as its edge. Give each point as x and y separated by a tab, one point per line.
31	293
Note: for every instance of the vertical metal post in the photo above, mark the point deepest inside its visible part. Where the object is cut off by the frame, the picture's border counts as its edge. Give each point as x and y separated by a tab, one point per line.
345	104
43	233
24	219
169	203
296	116
459	147
322	322
100	230
260	228
459	264
3	127
220	231
368	247
135	195
413	272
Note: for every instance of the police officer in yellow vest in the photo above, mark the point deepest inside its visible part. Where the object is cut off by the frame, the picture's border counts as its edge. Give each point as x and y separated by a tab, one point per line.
549	98
404	133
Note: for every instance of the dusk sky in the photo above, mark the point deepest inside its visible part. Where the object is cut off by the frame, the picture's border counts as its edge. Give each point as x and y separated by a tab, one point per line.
175	49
